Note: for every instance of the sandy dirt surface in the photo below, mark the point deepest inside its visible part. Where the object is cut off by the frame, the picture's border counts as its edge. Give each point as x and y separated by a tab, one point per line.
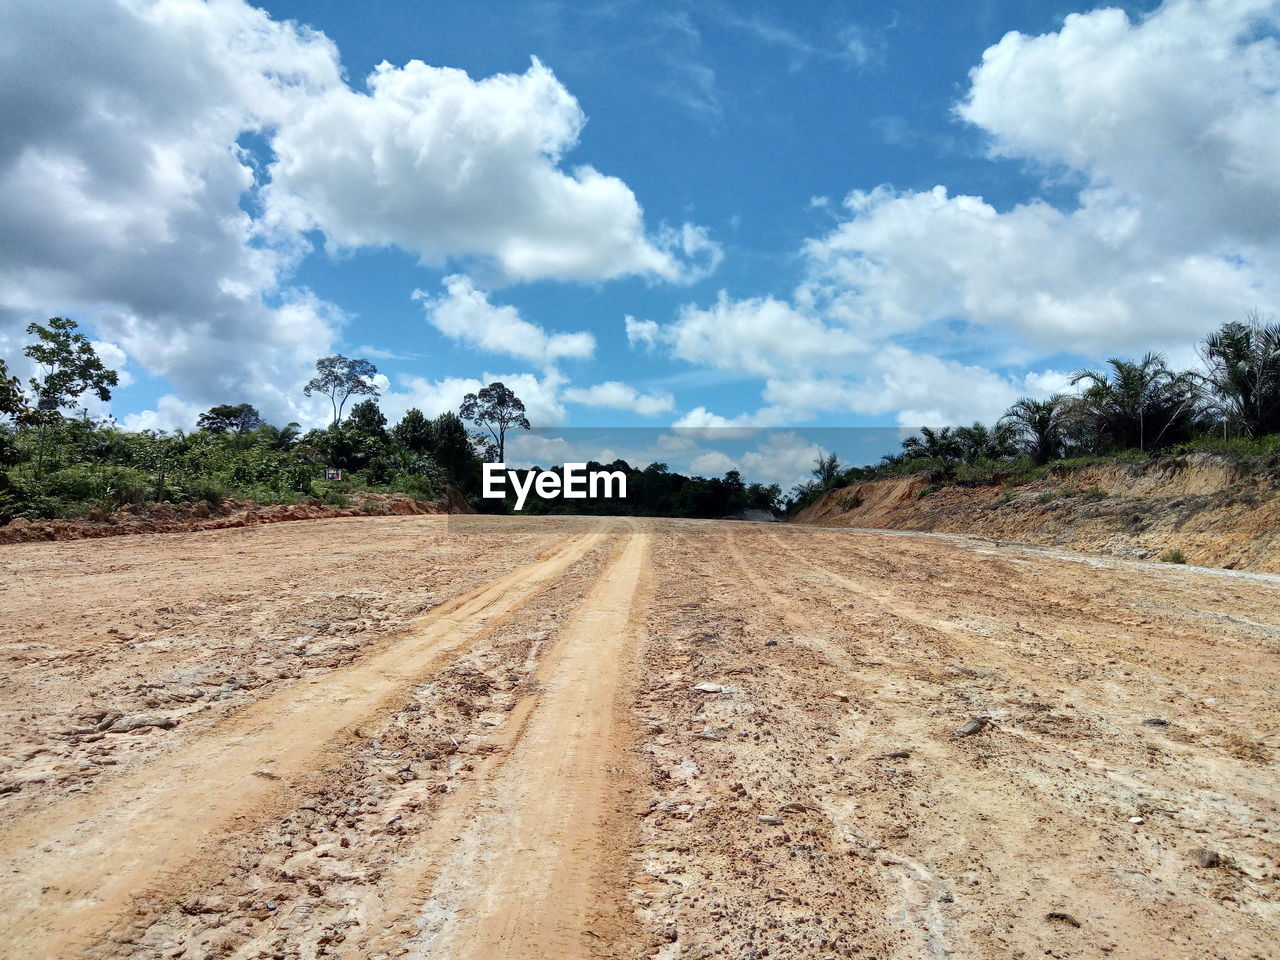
468	737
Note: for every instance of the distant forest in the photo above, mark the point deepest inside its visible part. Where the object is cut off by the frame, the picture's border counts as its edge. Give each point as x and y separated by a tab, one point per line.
57	461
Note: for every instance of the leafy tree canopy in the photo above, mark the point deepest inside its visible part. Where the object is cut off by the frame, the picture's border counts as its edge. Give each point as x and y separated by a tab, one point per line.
12	401
454	451
240	418
414	432
1137	403
1243	363
340	378
69	367
367	418
1036	427
496	409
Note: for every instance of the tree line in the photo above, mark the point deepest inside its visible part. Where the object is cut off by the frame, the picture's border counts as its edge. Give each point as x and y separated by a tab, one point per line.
1128	409
654	491
56	460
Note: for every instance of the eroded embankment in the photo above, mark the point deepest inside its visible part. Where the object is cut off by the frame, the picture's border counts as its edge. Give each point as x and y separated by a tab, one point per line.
1217	512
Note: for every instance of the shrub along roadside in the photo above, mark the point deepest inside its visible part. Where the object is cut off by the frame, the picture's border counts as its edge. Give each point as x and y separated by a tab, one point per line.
88	467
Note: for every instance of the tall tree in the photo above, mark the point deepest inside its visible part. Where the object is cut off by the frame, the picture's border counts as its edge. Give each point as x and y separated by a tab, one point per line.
283	438
1243	364
979	442
497	409
367	418
68	365
12	401
12	405
414	432
453	450
933	445
240	417
340	378
67	368
826	468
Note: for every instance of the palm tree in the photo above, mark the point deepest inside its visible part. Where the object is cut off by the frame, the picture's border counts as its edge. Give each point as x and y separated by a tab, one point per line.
980	442
1037	426
827	469
933	445
1137	403
1243	362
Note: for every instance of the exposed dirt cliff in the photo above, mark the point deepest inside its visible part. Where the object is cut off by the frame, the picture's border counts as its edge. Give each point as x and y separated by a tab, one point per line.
1216	511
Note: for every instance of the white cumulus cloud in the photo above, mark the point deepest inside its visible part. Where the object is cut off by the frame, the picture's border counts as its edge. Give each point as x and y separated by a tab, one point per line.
762	335
1171	126
1168	127
782	457
644	333
540	395
466	314
121	182
1176	114
127	198
621	396
713	463
443	165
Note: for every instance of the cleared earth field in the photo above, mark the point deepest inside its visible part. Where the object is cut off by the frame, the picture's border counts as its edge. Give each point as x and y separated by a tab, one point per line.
470	737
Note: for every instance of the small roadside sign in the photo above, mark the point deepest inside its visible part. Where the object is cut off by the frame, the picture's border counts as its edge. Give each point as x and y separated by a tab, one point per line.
331	473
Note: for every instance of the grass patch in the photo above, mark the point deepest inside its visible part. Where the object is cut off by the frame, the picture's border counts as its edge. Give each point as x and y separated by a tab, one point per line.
1242	447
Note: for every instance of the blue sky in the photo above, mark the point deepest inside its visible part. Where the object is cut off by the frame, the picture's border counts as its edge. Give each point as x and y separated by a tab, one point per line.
732	117
815	214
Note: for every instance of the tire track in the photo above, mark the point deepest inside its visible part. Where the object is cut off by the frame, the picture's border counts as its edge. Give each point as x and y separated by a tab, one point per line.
976	603
1032	817
68	872
524	878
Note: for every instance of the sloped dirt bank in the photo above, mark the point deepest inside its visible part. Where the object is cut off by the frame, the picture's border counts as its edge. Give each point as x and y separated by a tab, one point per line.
190	517
1217	512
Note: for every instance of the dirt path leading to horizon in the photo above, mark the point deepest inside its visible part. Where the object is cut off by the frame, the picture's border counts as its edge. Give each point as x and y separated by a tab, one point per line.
475	737
525	877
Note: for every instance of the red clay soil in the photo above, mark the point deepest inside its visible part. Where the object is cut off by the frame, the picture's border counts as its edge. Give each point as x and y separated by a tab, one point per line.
190	517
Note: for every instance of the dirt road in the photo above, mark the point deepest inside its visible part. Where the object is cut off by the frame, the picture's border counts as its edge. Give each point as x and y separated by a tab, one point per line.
444	737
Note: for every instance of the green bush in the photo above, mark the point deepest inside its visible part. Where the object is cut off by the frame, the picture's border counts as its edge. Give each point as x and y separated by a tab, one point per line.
1173	555
100	485
333	496
208	489
420	488
72	491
